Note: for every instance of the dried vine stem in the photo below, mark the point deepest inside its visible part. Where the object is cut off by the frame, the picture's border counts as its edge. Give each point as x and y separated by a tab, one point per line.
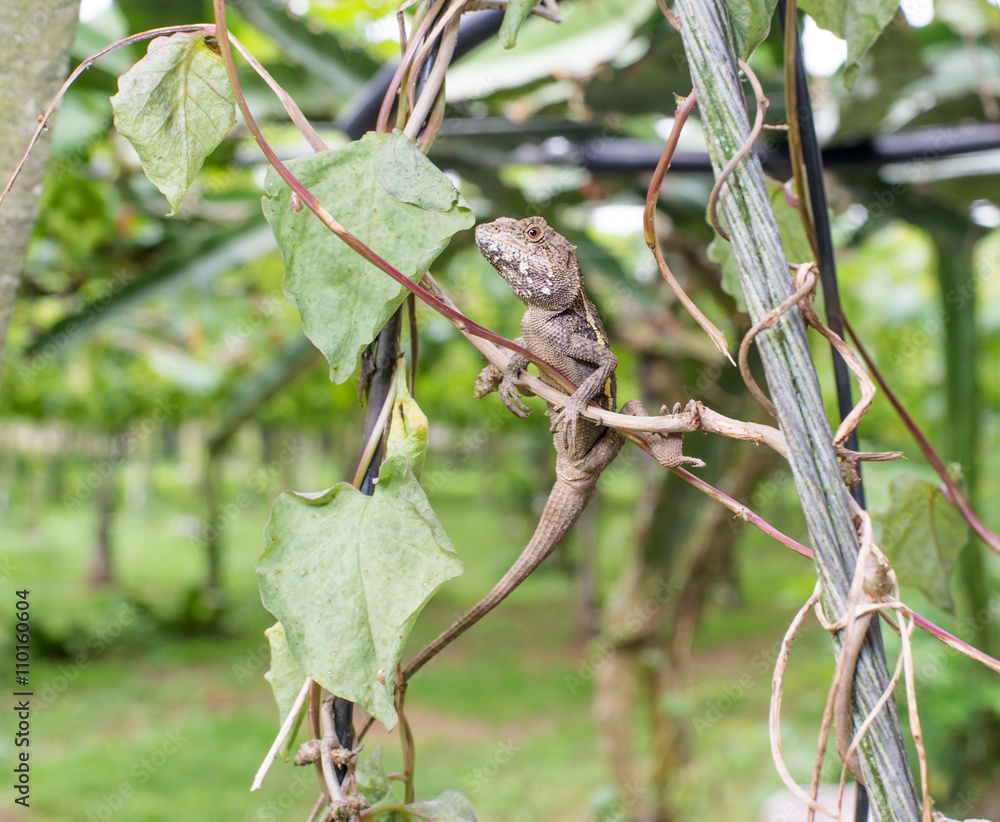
805	293
685	106
279	740
445	29
417	38
774	715
874	589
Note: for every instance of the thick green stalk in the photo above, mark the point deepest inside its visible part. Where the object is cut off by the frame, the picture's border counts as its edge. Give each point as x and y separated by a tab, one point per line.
794	388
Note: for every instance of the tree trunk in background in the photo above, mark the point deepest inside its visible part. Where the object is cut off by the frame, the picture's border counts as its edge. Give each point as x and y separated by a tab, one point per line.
213	530
36	37
105	498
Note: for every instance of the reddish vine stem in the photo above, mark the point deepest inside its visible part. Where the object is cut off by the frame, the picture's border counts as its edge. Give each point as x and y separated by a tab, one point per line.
742	512
952	491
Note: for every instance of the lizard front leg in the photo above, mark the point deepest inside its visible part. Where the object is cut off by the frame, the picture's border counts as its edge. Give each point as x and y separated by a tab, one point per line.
508	385
492	378
597	383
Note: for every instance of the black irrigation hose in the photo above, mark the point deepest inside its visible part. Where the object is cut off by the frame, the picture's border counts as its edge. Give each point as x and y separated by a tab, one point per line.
813	161
475	29
627	155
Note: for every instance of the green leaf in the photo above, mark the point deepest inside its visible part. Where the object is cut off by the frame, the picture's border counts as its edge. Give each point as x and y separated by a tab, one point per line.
721	251
793	233
517	12
175	106
922	535
408	430
286	680
347	575
859	22
828	14
751	21
390	196
450	806
373	784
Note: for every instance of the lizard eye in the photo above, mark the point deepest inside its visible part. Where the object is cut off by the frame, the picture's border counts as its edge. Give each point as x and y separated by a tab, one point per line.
534	232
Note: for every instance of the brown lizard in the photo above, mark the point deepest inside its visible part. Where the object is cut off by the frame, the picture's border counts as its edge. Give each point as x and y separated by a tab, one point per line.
562	327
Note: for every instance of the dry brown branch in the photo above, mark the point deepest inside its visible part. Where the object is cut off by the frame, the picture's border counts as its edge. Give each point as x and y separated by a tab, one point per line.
874	589
805	294
685	106
774	714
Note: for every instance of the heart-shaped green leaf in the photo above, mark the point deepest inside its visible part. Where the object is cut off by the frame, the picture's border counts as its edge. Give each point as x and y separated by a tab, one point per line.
392	198
175	106
347	575
922	535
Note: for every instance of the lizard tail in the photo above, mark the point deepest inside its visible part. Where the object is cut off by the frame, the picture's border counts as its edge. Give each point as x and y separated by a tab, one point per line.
565	504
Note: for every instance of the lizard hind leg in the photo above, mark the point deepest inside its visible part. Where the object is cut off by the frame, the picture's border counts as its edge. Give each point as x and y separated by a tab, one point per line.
666	448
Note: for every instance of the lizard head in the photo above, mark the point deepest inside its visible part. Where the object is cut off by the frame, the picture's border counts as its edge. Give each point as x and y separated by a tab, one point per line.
537	262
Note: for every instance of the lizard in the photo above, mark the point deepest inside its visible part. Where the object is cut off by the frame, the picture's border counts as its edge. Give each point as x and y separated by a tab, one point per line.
561	326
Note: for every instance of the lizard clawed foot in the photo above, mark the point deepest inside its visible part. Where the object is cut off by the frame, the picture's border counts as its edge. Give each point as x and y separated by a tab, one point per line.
667	449
511	399
566	420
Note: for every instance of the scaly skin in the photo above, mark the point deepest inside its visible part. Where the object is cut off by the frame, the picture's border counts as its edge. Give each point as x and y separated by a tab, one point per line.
562	327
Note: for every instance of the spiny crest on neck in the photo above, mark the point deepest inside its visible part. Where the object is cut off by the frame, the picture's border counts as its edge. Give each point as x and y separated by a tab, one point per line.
536	261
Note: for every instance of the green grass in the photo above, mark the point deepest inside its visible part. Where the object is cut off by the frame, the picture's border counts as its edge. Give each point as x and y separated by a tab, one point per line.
143	722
